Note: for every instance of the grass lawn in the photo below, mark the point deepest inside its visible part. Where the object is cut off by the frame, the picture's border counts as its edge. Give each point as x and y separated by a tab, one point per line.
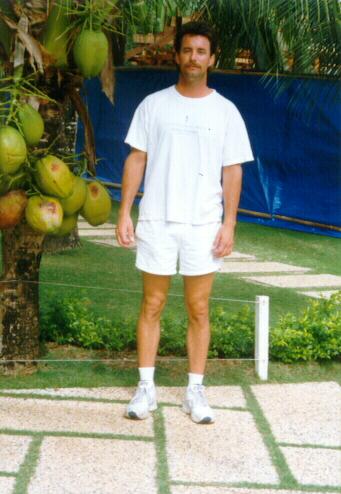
115	290
169	372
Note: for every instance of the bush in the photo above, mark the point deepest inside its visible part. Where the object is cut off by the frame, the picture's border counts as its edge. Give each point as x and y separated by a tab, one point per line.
71	321
173	337
315	334
232	335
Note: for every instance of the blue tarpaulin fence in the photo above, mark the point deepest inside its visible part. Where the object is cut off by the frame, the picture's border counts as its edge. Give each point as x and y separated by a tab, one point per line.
295	179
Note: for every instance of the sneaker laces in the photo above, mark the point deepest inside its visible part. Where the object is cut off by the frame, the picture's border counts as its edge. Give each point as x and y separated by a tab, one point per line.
142	390
199	395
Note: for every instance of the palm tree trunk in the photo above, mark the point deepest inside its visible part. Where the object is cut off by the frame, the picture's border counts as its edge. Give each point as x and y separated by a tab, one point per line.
66	129
19	299
22	249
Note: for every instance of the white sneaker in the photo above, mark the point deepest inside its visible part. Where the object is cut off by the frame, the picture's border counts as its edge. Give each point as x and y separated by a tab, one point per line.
196	405
143	402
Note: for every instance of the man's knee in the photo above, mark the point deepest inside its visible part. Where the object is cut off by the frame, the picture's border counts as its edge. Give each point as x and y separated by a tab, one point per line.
152	305
198	311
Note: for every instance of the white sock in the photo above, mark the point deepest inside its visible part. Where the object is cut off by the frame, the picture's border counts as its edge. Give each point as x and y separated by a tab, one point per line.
147	374
195	378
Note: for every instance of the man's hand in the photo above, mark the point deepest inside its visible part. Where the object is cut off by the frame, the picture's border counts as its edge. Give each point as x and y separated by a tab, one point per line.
125	231
224	240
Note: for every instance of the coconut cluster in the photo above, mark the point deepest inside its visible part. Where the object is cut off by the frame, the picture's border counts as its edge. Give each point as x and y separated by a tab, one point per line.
63	195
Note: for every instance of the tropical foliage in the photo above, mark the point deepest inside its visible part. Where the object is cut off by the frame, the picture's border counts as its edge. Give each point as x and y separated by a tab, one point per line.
297	36
300	37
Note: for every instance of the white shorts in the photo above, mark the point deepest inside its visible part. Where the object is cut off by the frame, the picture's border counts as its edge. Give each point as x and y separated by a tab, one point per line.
160	244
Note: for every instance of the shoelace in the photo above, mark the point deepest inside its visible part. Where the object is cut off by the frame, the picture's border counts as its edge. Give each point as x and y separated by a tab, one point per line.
141	391
199	397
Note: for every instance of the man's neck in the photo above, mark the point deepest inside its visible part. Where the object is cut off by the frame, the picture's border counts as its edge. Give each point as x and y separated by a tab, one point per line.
193	89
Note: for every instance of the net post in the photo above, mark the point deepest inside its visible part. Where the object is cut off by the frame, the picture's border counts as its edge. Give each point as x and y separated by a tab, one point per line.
262	337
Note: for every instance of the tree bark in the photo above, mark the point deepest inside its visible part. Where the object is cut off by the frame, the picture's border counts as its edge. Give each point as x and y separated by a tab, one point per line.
59	244
19	299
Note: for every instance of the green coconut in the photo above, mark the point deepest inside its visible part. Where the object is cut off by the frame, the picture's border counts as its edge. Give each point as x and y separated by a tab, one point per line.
54	177
90	52
44	214
69	223
97	206
13	150
12	207
32	124
75	201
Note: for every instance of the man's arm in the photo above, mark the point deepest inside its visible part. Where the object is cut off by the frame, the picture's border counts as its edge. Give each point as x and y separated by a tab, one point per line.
232	184
134	168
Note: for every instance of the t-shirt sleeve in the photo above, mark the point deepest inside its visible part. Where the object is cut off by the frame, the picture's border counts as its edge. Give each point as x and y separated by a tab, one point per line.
137	136
237	148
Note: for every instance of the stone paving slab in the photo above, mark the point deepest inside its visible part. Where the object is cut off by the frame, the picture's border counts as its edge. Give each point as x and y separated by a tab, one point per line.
86	225
7	485
13	450
304	413
219	396
320	294
94	466
116	393
314	465
259	267
228	490
213	453
238	255
298	281
69	416
108	393
111	242
96	233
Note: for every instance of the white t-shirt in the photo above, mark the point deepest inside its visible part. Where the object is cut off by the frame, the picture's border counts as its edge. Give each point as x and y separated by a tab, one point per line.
188	141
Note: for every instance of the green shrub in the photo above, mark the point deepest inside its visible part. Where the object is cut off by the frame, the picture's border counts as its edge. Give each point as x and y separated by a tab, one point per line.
173	337
232	335
315	334
70	321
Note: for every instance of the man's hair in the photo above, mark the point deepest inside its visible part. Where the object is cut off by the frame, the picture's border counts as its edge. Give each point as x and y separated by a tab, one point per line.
195	28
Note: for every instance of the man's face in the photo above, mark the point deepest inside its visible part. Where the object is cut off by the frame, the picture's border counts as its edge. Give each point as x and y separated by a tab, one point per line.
194	57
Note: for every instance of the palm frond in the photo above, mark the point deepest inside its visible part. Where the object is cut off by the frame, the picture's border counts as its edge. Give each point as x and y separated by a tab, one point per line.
278	32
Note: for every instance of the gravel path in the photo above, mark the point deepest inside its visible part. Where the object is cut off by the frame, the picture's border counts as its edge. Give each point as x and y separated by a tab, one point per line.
267	439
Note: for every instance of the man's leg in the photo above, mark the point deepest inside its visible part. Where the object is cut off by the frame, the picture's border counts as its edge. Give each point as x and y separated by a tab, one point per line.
155	289
197	293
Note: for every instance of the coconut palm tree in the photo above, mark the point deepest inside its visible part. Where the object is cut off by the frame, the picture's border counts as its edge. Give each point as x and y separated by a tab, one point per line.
45	54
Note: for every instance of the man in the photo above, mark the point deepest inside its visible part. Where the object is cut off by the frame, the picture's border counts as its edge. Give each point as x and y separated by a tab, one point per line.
187	141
